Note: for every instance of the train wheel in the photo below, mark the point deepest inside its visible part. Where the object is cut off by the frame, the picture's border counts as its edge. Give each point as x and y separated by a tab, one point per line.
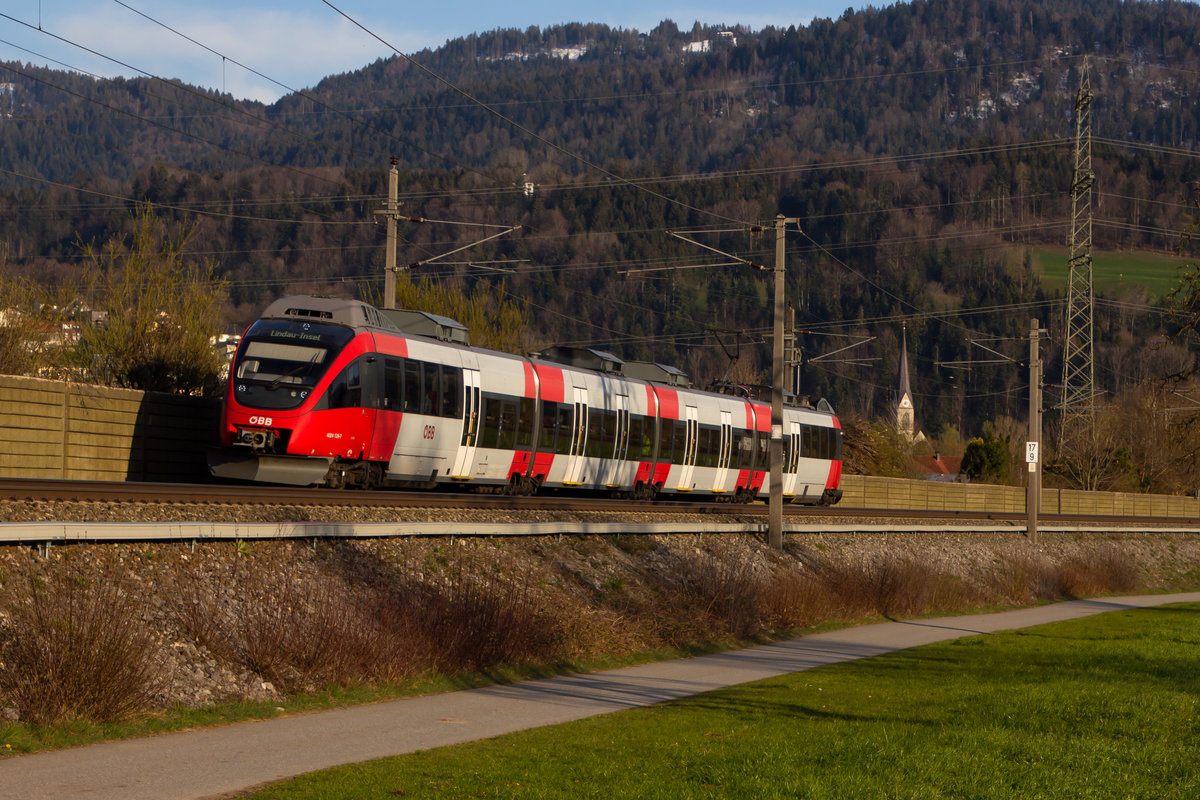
336	477
374	476
645	491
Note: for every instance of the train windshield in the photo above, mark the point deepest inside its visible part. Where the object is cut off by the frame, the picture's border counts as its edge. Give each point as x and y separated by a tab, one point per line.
280	363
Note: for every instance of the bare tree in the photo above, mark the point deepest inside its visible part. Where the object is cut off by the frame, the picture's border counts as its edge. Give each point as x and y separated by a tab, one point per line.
155	312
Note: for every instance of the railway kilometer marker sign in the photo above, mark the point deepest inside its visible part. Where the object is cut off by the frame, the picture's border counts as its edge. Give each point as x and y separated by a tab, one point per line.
1031	454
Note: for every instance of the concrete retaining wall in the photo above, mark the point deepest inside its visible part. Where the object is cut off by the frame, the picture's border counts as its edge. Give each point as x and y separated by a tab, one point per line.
861	491
52	429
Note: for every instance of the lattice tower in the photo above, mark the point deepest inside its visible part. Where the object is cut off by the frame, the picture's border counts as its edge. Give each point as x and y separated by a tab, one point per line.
1078	400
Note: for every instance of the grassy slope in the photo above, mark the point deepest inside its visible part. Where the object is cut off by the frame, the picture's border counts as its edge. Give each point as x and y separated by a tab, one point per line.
1113	272
1099	708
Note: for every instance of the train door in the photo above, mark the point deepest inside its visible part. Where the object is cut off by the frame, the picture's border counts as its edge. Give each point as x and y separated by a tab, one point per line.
579	431
687	471
791	462
465	457
723	482
614	459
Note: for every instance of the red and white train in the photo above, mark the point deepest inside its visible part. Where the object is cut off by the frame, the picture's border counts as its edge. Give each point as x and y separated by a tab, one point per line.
338	393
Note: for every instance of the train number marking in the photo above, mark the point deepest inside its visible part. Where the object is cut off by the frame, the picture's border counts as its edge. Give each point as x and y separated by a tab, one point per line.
260	420
430	430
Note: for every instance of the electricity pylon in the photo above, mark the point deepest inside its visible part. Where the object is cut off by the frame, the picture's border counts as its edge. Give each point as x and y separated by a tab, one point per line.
1078	400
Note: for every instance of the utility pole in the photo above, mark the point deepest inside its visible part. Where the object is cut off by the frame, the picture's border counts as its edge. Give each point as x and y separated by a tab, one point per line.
392	212
1033	455
389	269
775	497
775	444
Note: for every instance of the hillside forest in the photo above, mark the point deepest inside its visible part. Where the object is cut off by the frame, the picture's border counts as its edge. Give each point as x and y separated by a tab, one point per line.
927	151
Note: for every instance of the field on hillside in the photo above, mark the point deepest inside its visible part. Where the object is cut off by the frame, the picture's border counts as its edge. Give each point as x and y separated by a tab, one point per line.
1113	273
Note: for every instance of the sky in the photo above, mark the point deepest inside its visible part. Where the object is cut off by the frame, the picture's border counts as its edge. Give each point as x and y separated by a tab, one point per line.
298	43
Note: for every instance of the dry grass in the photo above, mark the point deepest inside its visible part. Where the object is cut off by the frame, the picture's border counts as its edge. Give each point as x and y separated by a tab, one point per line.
306	629
341	614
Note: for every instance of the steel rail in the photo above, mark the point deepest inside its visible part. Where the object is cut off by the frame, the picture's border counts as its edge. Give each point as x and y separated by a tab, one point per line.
616	512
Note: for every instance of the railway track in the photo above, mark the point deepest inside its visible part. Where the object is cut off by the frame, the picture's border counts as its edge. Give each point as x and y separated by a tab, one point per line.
148	496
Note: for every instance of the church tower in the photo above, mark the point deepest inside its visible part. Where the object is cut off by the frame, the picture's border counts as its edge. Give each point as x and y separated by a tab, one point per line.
905	414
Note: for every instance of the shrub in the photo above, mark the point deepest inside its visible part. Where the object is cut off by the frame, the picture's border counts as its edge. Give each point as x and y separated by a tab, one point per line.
792	600
75	647
712	596
299	630
476	618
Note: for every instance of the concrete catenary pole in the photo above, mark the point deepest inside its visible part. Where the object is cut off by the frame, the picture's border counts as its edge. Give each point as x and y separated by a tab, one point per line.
775	497
1033	455
389	269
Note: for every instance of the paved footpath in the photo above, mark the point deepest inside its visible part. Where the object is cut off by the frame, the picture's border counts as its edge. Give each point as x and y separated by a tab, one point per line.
218	761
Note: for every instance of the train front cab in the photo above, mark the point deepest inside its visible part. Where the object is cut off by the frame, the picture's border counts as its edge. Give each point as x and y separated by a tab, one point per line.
286	377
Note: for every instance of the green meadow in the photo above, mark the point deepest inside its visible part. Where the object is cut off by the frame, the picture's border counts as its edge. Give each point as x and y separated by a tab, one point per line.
1112	272
1106	707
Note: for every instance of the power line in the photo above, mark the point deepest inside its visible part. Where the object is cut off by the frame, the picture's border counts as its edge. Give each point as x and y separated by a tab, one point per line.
168	206
523	129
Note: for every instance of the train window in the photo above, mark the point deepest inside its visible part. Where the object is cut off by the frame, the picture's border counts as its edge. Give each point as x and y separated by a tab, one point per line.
452	392
346	389
679	441
637	427
508	424
595	432
743	449
821	442
431	397
666	443
281	363
704	446
648	433
412	386
566	427
608	438
393	385
524	440
490	433
549	425
607	434
811	441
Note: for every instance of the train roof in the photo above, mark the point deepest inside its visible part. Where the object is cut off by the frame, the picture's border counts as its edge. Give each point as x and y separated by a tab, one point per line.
357	314
422	323
657	373
583	357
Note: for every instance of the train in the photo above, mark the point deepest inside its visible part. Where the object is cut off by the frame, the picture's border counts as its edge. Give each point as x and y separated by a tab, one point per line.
338	393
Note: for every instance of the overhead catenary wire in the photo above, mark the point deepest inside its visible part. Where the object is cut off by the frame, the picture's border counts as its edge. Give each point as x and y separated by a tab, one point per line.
964	234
